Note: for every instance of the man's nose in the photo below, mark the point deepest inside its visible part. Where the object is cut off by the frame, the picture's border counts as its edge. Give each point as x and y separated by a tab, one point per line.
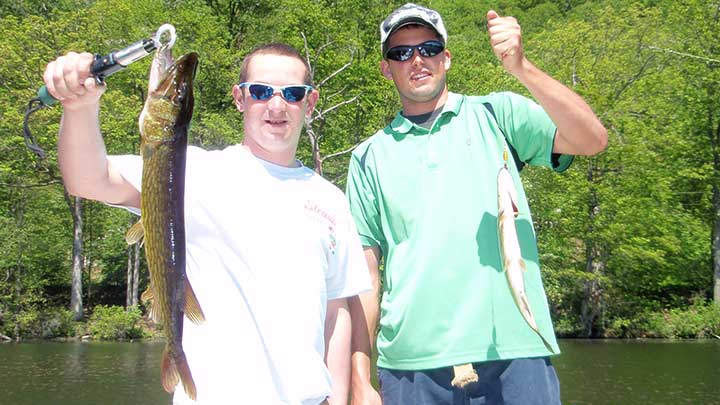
416	58
277	102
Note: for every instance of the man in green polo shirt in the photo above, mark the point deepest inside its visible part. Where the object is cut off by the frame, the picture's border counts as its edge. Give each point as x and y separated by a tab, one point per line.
423	193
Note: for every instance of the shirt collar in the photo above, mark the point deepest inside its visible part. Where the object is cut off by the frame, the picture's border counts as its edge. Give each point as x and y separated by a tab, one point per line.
402	125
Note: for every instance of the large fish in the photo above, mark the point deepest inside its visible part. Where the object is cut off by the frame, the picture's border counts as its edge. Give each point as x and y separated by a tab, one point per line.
513	262
164	124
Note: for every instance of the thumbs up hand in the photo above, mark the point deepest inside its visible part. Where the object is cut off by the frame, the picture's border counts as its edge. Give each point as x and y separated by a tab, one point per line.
506	41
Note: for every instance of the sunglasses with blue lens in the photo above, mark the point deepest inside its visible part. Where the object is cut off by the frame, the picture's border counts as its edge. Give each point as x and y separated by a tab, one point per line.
262	91
402	53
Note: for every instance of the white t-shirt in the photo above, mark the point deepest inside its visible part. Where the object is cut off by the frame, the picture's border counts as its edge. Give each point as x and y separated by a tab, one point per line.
267	246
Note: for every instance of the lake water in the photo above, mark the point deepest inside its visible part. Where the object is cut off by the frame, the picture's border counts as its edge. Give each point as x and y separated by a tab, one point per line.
591	372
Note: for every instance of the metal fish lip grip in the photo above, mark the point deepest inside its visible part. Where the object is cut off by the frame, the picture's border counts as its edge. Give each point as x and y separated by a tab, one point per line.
104	66
101	68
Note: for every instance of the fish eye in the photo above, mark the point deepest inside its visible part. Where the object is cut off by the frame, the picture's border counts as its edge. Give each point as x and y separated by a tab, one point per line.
181	92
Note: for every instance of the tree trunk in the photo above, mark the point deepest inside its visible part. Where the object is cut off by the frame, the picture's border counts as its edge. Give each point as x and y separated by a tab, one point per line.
136	274
129	273
87	265
18	294
76	303
314	145
716	245
591	307
19	213
716	222
592	304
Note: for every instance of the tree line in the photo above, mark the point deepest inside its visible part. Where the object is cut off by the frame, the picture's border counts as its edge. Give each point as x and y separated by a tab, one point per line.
627	239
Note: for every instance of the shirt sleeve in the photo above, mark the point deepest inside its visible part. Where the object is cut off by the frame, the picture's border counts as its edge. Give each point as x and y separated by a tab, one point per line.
363	204
529	130
349	274
130	167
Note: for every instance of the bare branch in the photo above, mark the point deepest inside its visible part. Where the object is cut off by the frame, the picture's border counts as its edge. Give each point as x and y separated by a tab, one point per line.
636	76
307	53
655	48
337	92
322	48
321	114
335	179
14	185
310	131
337	72
336	154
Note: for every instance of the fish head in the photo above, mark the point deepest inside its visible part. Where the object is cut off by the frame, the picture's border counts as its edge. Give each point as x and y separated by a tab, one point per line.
176	85
170	101
507	194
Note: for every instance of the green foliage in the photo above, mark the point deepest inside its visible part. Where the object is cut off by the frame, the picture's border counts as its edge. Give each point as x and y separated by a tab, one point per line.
114	322
700	320
46	324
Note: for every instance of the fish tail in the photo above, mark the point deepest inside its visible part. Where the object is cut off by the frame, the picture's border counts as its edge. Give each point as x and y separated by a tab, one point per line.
175	369
547	344
524	306
530	319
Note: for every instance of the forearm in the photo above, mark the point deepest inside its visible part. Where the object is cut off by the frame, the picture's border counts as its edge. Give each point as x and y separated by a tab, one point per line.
579	131
81	152
366	309
365	313
337	353
82	158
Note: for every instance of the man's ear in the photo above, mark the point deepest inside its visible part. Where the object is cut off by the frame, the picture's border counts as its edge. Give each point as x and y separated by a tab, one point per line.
448	60
385	69
238	99
312	99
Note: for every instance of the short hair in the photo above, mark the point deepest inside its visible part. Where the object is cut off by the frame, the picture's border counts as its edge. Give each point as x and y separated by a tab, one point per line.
275	48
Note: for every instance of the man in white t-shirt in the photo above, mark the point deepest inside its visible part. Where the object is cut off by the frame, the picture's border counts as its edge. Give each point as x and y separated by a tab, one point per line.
272	252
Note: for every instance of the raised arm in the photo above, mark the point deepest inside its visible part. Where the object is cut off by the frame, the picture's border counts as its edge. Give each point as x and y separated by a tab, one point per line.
81	151
579	131
365	312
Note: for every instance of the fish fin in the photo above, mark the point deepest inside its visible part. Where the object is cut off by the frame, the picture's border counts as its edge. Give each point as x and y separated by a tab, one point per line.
148	297
135	234
192	306
175	370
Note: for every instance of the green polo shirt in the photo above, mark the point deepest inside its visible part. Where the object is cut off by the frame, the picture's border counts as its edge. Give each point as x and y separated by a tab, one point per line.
428	199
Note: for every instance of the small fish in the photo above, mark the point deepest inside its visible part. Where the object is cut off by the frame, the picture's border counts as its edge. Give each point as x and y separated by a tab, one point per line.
513	262
164	124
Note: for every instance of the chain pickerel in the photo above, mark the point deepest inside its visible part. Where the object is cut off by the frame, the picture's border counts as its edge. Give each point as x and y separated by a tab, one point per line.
513	262
164	123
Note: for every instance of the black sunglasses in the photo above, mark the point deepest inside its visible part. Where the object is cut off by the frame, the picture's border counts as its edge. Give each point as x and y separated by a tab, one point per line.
262	91
402	53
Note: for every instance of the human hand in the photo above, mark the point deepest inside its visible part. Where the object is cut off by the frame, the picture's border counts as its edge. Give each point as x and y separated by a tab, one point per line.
506	41
365	395
68	79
